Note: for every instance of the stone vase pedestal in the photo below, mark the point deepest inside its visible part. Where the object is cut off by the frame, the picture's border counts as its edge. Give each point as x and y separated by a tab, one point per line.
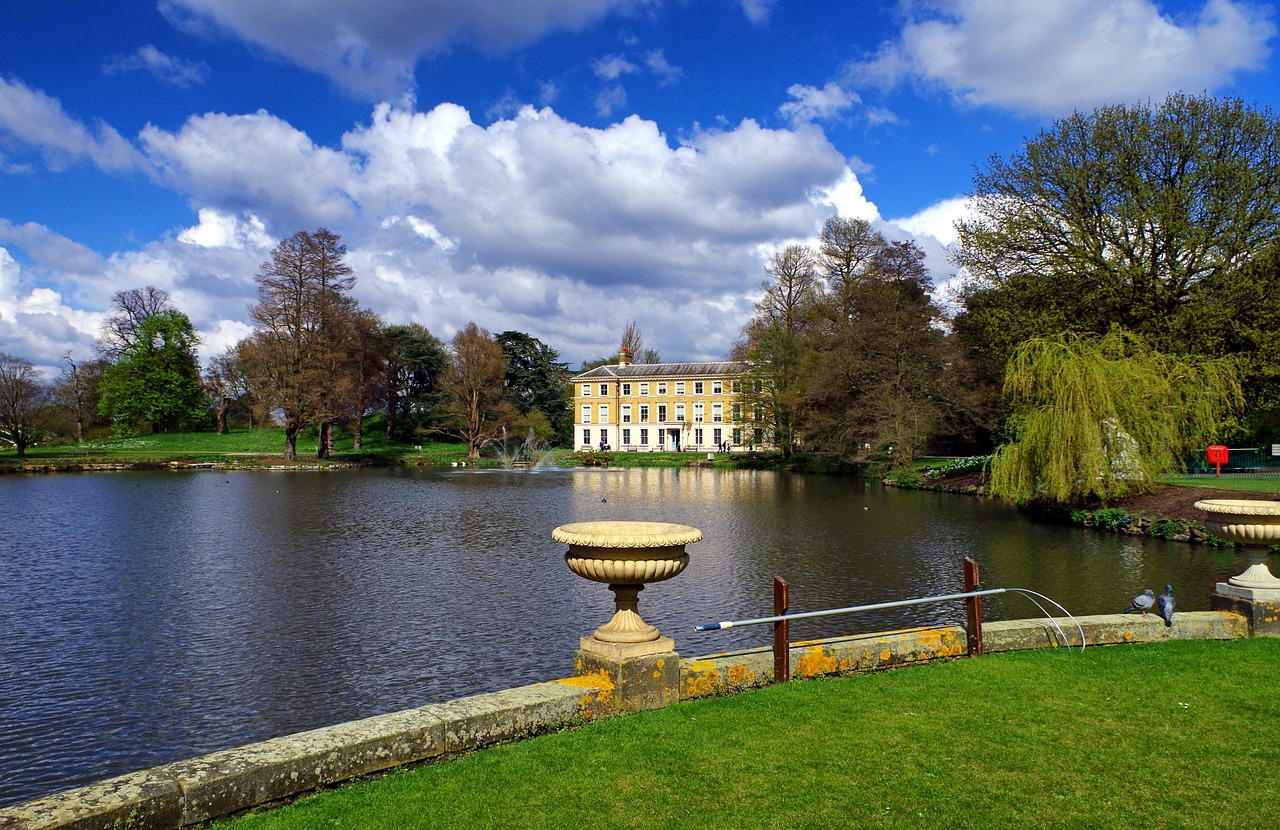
1254	594
641	665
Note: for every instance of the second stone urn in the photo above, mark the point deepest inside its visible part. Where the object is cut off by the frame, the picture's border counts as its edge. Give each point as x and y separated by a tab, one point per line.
626	556
1255	524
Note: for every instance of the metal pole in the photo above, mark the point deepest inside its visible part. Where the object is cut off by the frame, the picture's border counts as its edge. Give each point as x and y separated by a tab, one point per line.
781	631
973	605
832	611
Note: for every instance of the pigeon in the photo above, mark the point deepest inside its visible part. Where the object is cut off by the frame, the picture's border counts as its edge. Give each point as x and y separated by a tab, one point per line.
1165	605
1142	603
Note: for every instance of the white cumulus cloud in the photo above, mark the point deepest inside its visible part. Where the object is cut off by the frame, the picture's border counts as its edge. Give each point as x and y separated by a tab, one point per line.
1055	57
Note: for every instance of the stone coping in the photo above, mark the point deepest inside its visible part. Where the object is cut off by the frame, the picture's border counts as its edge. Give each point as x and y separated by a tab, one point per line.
220	783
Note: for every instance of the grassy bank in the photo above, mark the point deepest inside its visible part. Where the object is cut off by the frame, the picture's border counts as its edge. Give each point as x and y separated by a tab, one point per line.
1177	734
247	447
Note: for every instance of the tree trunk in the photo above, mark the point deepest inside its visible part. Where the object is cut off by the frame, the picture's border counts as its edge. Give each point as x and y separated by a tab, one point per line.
391	416
357	438
326	440
291	431
224	404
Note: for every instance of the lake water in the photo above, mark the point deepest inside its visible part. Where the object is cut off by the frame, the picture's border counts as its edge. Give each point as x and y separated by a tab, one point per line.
147	617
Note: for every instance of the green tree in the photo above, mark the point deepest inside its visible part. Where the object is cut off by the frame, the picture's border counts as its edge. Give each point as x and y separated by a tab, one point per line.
1113	217
414	377
156	381
478	409
23	399
878	385
1105	416
536	381
1233	314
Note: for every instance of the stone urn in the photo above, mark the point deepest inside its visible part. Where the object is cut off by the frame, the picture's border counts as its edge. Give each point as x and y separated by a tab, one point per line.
626	556
1254	524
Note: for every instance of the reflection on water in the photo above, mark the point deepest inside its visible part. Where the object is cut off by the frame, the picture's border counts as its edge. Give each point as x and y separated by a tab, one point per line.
148	617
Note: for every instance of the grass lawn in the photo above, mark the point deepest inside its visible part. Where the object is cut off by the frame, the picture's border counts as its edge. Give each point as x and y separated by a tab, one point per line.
1177	734
266	443
1242	485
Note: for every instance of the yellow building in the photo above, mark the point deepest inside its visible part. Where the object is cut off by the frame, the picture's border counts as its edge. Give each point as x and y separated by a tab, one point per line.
658	407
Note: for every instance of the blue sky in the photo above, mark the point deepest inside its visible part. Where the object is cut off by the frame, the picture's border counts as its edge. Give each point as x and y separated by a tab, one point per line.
558	167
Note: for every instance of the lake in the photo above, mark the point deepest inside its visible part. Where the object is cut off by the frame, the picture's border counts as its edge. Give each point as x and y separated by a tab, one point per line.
148	617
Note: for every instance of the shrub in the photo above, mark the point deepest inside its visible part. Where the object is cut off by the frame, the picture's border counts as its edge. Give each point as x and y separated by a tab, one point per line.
904	477
1169	528
1111	518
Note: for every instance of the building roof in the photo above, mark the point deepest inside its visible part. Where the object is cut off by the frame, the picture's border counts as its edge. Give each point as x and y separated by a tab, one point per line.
662	370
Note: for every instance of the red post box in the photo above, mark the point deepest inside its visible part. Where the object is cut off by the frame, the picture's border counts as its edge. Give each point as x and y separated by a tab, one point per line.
1217	456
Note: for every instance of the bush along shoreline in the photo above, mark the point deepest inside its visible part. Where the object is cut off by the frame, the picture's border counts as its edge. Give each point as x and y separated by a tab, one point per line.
1166	513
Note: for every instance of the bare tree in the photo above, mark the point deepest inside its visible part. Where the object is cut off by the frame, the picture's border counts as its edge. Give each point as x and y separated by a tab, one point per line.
847	248
23	399
227	381
300	305
130	309
632	340
476	386
792	293
76	391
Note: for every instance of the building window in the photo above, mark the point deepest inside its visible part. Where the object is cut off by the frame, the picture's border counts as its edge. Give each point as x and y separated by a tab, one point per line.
586	437
679	387
717	413
626	389
757	413
662	389
735	386
644	413
662	412
604	390
737	412
697	387
586	390
717	387
644	389
644	436
718	434
626	416
604	413
586	413
737	436
697	437
679	412
626	437
697	414
604	437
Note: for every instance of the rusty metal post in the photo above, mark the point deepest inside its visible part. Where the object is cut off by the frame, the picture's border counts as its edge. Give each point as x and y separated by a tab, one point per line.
781	632
974	607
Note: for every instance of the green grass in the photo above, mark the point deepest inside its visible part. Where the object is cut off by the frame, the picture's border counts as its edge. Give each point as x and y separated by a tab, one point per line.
1242	485
243	443
1177	734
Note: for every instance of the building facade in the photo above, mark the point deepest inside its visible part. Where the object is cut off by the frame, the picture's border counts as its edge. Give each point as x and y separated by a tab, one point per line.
659	407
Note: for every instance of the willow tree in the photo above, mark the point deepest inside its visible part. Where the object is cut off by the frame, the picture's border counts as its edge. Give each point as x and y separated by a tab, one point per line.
1105	416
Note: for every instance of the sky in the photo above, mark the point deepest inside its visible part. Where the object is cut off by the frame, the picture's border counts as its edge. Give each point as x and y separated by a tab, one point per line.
556	167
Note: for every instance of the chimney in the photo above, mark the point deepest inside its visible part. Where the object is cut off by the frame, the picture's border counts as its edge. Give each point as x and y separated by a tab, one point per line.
624	356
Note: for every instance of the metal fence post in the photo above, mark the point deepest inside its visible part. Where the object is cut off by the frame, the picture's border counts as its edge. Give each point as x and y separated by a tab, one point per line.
781	631
974	607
